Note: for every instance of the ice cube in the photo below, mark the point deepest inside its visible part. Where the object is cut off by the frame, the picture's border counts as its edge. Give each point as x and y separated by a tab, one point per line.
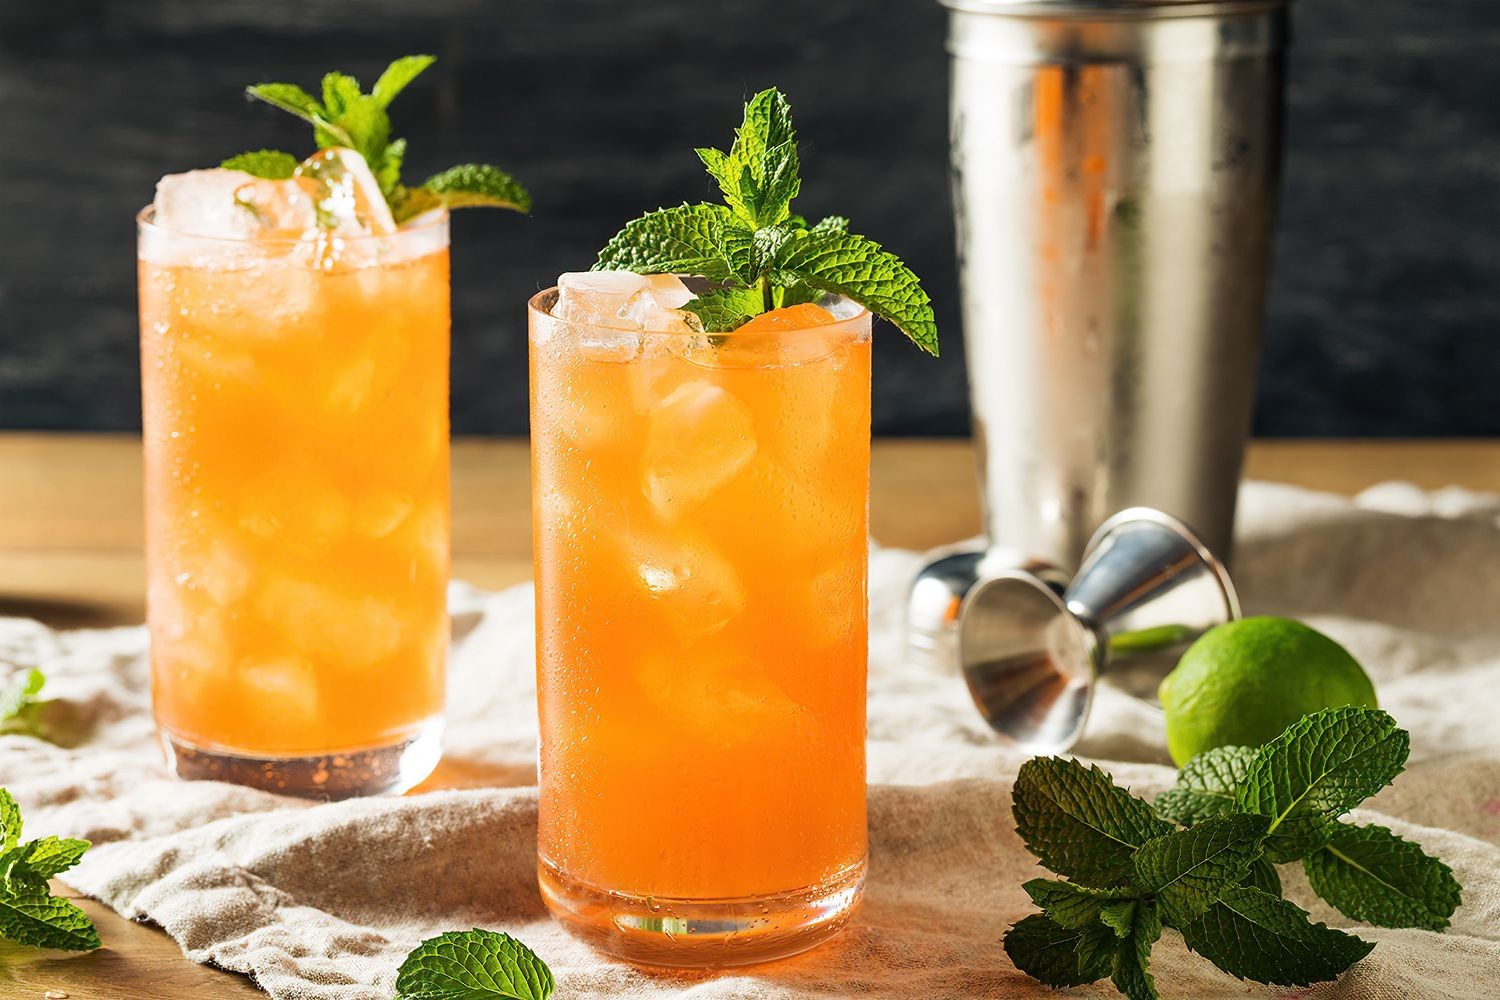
694	585
283	688
202	203
720	695
377	515
595	298
297	507
330	626
348	198
285	209
657	307
699	437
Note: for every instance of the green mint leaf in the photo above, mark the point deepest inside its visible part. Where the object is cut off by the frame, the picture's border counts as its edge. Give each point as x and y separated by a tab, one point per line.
1131	971
832	223
30	915
473	965
725	309
689	239
20	692
10	821
1254	935
1079	823
272	164
470	185
388	170
1206	786
1070	905
1059	956
1190	869
42	859
1368	873
1119	916
759	175
397	75
856	266
353	119
1262	875
1318	769
290	98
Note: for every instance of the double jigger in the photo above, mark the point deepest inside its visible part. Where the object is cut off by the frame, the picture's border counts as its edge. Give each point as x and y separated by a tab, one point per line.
1033	645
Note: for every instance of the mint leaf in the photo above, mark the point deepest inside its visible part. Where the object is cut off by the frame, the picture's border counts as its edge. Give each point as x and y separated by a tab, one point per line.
1262	875
30	915
1132	960
725	309
1071	905
1057	955
1079	823
858	267
1369	873
759	174
688	239
758	242
10	821
477	185
397	75
1189	870
271	164
1206	785
1254	935
1318	769
346	116
473	965
42	859
19	693
1119	916
290	98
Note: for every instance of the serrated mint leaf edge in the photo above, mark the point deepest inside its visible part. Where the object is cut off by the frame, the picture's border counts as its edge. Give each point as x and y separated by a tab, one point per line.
1334	870
1315	939
31	915
439	958
1219	853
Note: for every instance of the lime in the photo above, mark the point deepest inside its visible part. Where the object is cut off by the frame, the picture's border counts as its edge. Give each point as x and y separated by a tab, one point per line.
1245	681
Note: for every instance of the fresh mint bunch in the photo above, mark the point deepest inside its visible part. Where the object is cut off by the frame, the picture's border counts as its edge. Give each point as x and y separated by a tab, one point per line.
1130	870
473	965
346	116
760	254
29	913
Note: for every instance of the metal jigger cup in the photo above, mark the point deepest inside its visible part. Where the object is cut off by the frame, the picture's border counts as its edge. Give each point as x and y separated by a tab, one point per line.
1032	656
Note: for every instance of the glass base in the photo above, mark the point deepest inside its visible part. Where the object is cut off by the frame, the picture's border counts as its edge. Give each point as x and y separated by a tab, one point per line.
702	933
380	770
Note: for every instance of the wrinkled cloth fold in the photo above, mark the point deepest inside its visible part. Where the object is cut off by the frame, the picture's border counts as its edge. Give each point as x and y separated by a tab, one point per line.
321	902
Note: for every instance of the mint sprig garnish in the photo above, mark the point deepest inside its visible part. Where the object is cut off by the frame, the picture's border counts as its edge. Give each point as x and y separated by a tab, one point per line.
29	913
1133	871
473	965
762	254
19	693
347	116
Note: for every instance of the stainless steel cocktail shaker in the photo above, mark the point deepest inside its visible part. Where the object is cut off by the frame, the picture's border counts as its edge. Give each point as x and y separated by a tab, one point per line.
1115	168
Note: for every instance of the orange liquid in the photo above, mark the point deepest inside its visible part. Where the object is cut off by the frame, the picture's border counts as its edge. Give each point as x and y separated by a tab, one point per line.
701	554
296	440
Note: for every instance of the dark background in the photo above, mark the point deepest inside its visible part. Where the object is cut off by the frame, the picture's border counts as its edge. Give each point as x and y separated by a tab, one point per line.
1386	307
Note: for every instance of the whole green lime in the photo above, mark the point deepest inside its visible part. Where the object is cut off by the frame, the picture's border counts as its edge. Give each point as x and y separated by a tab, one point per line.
1245	681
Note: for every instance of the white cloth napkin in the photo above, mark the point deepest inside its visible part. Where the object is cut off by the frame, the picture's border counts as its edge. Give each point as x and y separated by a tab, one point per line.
323	901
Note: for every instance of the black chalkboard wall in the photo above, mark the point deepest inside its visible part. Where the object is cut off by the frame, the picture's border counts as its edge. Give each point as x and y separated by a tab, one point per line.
1385	318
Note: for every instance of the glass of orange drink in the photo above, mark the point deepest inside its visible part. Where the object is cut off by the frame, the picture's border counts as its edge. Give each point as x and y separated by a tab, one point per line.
701	553
295	403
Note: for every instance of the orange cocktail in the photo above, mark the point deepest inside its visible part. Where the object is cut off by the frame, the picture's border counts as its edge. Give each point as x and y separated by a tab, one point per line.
701	553
296	443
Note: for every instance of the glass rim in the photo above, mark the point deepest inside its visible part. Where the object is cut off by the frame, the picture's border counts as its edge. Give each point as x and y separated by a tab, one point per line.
857	324
145	222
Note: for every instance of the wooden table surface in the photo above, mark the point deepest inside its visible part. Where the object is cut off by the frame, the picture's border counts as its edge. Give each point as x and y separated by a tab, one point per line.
70	539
